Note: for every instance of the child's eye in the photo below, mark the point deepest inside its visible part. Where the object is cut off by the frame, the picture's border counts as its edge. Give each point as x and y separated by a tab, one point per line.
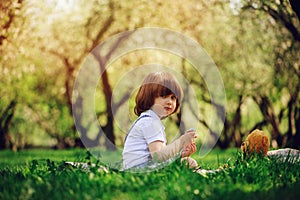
173	97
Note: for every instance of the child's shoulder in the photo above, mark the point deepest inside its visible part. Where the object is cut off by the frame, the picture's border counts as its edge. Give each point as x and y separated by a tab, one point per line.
144	119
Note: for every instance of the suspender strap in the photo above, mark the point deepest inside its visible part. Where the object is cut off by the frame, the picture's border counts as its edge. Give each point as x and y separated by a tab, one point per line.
143	116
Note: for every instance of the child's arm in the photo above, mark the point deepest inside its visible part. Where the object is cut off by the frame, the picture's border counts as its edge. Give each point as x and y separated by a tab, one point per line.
162	153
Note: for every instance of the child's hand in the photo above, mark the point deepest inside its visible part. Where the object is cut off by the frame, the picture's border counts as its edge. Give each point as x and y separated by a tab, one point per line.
188	137
188	150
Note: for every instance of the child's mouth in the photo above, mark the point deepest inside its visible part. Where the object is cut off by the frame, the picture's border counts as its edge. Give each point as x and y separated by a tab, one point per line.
168	109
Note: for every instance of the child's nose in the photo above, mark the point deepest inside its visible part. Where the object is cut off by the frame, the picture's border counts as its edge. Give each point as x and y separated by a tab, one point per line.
169	100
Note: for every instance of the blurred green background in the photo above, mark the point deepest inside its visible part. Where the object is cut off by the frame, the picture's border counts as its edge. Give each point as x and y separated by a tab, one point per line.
254	43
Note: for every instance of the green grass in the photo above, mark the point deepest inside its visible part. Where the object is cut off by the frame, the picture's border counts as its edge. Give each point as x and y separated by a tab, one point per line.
41	174
24	157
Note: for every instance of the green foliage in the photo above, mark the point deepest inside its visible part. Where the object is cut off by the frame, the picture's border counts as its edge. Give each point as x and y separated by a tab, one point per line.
43	44
258	178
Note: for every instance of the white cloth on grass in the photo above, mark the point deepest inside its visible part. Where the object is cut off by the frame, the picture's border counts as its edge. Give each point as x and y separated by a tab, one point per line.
285	155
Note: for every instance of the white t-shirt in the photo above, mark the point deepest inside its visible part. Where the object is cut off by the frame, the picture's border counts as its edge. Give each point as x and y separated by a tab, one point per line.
145	130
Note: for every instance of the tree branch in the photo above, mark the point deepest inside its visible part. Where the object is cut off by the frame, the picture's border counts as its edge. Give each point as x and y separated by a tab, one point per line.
296	7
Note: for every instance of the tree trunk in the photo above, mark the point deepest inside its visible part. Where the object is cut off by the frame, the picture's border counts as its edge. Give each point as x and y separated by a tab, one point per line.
268	112
5	120
296	7
102	61
296	138
294	120
84	139
232	129
109	127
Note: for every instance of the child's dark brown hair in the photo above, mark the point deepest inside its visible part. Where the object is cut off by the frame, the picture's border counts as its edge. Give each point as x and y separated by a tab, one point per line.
154	85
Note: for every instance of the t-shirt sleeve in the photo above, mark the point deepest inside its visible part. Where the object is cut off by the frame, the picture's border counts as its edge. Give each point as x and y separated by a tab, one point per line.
153	131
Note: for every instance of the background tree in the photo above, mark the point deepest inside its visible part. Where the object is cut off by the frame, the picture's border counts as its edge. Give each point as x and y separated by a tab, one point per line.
254	44
285	21
10	12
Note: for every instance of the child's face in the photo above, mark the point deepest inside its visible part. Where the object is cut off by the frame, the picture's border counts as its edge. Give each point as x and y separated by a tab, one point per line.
164	105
